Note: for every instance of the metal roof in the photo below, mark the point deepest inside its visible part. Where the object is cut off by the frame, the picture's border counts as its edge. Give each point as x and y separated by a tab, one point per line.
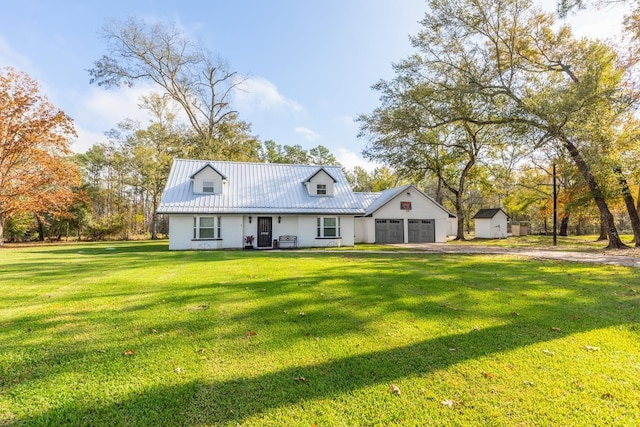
257	188
387	195
488	213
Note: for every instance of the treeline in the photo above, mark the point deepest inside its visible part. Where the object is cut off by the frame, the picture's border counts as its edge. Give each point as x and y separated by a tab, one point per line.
478	117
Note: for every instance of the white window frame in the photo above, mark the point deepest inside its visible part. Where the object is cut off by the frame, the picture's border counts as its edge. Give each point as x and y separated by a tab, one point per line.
322	227
321	189
208	186
198	228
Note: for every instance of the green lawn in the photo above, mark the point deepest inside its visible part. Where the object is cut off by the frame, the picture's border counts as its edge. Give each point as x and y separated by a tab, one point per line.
586	243
132	334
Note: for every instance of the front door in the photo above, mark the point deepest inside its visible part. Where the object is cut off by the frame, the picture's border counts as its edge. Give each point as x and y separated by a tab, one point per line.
264	232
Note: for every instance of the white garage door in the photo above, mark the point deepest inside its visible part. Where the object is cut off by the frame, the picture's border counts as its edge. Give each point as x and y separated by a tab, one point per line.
389	231
422	231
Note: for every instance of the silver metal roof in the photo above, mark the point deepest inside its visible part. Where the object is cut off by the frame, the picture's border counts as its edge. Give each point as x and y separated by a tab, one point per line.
257	188
387	195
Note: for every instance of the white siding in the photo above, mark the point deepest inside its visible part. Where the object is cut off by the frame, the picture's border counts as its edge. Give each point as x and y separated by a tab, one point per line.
492	228
181	233
234	229
307	232
362	230
421	208
452	226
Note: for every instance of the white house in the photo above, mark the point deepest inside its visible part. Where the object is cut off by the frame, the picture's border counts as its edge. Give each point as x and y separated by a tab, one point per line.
215	205
491	223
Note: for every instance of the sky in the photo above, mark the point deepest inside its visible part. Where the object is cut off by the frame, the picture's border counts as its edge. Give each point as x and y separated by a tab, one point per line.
309	64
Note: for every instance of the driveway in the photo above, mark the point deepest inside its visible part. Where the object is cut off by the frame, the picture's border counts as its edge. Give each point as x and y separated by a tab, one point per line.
627	258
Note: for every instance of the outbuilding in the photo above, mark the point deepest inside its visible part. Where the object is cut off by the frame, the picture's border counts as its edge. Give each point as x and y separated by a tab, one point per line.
491	223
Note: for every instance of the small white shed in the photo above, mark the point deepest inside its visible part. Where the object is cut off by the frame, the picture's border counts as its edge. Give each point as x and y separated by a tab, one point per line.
491	224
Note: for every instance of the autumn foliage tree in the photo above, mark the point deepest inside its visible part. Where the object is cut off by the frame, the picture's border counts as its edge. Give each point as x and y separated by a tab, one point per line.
35	174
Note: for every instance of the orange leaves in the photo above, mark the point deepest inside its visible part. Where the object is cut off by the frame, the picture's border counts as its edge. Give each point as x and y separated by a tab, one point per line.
129	352
35	175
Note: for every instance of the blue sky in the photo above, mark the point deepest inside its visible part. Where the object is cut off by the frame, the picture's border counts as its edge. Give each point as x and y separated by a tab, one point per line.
310	63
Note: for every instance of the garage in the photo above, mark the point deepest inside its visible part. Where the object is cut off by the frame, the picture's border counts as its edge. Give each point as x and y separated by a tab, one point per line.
389	231
422	231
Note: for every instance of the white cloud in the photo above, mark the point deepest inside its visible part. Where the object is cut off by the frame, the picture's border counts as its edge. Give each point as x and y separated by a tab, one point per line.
10	57
350	160
106	108
257	94
86	139
307	133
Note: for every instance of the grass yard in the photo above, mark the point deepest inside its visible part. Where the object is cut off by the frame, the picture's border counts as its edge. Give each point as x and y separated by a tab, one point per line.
132	334
585	243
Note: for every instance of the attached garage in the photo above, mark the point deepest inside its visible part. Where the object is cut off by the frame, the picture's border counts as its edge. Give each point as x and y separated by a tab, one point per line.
401	215
422	231
389	231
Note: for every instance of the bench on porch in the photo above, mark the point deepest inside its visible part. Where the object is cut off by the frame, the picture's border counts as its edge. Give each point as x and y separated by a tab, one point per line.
288	240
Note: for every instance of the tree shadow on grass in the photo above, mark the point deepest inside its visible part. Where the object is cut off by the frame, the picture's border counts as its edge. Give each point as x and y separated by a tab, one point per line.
201	402
233	401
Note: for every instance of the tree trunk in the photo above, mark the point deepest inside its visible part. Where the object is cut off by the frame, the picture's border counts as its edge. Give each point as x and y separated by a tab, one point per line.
637	209
601	203
1	230
460	214
564	225
154	219
630	203
40	229
603	230
439	195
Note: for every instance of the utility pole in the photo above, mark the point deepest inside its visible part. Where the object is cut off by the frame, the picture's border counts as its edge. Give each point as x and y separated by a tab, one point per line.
555	207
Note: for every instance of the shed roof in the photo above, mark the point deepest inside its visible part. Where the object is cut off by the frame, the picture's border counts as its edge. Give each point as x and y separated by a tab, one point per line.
257	188
488	213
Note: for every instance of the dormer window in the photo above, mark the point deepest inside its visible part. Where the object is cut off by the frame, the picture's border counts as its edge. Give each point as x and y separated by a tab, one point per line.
320	184
208	180
208	187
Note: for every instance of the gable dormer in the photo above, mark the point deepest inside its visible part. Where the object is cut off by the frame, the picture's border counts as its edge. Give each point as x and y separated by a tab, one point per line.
208	180
320	184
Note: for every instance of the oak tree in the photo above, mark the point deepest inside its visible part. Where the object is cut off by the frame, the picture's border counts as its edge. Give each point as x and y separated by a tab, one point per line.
522	72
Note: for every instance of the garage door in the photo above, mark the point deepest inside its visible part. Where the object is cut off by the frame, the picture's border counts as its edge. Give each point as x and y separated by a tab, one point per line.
422	231
389	231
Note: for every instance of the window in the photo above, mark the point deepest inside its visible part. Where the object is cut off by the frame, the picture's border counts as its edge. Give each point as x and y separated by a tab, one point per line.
207	187
328	227
321	189
206	227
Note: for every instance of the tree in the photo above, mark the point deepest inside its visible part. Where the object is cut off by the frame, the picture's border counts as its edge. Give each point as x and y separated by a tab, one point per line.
380	179
273	152
150	153
35	172
321	155
200	82
522	73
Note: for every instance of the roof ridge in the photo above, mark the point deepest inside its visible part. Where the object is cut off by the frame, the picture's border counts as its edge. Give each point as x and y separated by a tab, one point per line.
256	163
